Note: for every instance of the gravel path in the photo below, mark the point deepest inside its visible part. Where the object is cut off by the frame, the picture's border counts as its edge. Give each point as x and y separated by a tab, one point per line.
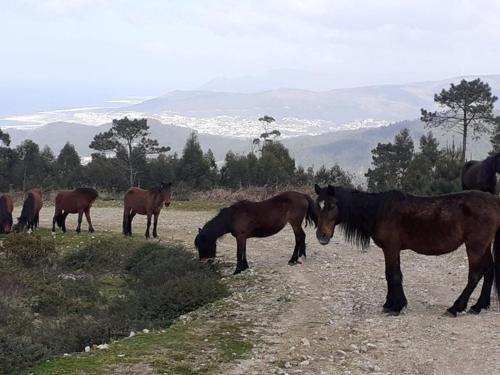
324	316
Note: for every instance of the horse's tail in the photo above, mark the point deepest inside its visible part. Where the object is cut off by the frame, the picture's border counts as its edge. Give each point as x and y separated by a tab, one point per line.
496	261
125	220
311	214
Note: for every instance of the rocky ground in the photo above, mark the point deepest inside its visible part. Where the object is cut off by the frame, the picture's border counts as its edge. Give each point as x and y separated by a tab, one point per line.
324	316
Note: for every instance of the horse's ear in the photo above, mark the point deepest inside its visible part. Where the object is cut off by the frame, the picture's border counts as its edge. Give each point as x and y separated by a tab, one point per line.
317	189
331	190
199	230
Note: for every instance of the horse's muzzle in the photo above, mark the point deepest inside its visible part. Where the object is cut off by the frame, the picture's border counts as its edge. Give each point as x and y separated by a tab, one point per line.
323	239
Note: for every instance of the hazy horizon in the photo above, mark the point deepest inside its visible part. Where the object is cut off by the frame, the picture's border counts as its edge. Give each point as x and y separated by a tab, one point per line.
66	53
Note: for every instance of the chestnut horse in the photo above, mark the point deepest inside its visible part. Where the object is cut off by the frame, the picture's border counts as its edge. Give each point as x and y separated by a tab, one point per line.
481	174
246	219
426	225
30	213
6	208
76	201
145	202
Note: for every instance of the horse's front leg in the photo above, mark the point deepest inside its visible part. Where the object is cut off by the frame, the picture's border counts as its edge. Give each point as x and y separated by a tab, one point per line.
396	299
300	245
155	224
241	263
63	221
148	225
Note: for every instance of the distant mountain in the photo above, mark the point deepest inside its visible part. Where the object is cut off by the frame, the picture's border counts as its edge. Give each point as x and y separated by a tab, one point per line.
272	80
385	102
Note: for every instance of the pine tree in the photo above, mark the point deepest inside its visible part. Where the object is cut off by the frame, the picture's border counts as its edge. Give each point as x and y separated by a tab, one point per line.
466	108
390	162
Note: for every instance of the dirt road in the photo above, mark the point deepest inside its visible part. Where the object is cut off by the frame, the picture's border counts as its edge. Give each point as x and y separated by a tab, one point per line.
324	316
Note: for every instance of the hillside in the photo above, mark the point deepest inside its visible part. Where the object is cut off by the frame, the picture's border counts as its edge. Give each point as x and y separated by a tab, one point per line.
350	148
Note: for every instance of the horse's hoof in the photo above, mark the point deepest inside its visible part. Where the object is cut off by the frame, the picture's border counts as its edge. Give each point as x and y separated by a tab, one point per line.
473	311
390	312
450	313
294	262
236	272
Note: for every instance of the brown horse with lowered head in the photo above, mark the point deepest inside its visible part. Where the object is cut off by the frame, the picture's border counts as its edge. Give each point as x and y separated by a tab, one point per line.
6	208
145	202
30	212
427	225
246	219
76	201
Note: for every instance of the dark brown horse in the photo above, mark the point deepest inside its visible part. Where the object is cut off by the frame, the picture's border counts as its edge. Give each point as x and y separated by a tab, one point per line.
30	212
145	202
76	201
258	219
481	175
6	208
426	225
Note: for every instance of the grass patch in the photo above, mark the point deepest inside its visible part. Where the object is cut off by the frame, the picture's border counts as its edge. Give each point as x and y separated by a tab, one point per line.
170	352
58	295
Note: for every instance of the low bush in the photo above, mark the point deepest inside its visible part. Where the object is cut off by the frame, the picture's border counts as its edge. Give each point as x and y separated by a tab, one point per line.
29	250
62	302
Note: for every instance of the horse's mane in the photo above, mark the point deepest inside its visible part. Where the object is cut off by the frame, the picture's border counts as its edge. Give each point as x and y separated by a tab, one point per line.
91	193
359	212
218	225
28	206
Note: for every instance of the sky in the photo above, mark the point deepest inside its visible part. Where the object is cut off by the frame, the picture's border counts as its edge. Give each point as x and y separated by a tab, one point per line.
78	52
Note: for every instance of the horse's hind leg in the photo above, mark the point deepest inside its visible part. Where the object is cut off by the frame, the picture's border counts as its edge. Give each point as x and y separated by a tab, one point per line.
300	244
89	220
488	271
475	274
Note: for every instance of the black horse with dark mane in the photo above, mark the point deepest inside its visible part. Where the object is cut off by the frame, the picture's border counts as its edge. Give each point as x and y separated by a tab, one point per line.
246	219
427	225
481	174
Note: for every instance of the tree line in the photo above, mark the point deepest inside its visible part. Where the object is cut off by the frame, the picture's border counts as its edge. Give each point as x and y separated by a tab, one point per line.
115	166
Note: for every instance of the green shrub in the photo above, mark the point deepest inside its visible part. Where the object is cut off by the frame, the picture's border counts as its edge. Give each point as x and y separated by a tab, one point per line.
97	256
98	292
19	352
29	250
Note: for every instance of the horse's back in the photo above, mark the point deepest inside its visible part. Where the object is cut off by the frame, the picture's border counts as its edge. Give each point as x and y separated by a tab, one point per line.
74	200
439	224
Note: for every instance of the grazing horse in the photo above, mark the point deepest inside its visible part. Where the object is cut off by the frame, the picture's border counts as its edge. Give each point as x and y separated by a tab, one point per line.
426	225
481	175
145	202
246	219
76	201
30	213
6	208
